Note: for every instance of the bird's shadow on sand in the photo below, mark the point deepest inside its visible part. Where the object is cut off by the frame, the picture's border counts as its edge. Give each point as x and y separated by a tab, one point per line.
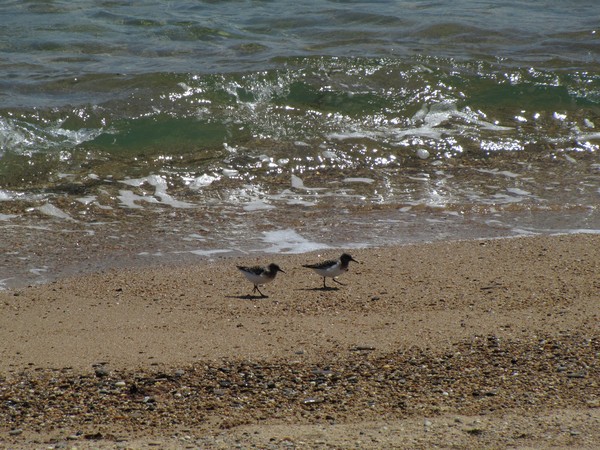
327	288
258	297
248	297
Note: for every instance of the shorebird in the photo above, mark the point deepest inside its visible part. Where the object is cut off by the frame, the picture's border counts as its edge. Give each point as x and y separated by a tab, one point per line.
332	268
258	275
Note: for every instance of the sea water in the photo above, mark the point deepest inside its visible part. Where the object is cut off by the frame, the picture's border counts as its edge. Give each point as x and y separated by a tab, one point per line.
162	132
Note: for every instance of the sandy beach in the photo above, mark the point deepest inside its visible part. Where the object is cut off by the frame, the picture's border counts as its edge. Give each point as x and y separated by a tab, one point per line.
470	344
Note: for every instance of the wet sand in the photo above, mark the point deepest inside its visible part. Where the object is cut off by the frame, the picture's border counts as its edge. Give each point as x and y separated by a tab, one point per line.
491	343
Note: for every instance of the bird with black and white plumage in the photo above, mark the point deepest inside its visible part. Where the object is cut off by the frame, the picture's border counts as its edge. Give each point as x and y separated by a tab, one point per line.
259	275
332	268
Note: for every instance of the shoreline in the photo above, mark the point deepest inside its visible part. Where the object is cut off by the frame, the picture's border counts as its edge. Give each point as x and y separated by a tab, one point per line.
421	332
47	250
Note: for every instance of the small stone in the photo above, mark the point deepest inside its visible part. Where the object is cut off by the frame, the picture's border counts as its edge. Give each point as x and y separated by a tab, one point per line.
101	371
93	436
312	400
422	153
15	432
473	431
120	384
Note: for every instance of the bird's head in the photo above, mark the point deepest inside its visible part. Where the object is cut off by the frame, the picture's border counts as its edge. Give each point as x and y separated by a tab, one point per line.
346	258
275	268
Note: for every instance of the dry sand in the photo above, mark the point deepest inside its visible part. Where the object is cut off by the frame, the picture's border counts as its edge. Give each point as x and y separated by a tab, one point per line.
478	344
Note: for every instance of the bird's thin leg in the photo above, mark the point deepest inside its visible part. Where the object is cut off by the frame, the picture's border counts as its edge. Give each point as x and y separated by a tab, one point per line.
338	282
324	285
256	289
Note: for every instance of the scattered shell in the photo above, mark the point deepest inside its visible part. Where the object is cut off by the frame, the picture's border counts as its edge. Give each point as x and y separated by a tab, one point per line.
478	373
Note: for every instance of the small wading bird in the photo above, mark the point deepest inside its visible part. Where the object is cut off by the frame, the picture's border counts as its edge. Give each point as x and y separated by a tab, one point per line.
332	268
260	275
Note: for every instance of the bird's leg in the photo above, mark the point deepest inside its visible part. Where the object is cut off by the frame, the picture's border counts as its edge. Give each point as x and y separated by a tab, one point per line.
324	285
258	290
338	282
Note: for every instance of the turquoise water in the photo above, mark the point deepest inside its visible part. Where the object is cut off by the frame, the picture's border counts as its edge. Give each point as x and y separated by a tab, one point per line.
172	131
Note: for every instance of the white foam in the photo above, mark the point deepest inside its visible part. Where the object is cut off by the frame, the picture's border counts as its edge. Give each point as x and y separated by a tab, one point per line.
230	172
210	252
358	180
86	200
423	153
24	136
4	284
160	191
433	116
128	199
352	135
505	173
288	241
203	181
38	271
257	205
7	216
297	201
51	210
328	154
136	182
168	200
298	183
292	198
518	191
194	237
559	116
584	231
6	195
521	119
436	114
504	199
428	122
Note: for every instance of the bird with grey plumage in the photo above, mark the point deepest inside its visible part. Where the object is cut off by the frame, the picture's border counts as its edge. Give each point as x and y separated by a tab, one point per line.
332	268
260	276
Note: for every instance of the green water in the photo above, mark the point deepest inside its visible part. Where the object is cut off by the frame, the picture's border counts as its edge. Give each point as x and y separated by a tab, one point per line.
165	132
